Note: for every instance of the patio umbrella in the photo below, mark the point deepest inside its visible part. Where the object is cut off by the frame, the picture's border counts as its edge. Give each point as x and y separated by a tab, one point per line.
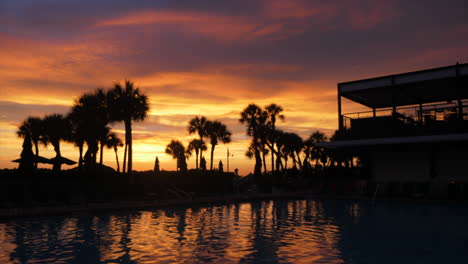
62	161
38	159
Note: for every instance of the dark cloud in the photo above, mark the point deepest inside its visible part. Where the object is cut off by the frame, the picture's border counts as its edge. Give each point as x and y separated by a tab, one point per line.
14	113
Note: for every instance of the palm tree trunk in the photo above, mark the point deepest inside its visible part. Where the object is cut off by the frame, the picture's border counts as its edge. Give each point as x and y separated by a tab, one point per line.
117	159
57	165
258	161
212	152
264	160
299	160
130	152
125	156
272	157
201	153
128	142
80	160
37	153
196	158
101	153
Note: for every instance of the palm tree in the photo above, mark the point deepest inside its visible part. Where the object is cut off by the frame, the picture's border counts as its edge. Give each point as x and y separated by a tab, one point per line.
126	103
113	141
32	126
291	146
196	145
177	150
254	118
217	131
311	150
89	118
274	112
198	125
77	135
56	128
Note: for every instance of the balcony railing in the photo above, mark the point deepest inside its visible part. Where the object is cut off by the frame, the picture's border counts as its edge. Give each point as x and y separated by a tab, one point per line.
427	119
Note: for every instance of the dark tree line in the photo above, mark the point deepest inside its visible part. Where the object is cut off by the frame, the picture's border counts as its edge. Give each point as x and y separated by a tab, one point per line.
215	131
87	124
286	146
286	149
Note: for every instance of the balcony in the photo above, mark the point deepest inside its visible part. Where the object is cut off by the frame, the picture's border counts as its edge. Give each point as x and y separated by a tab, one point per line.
420	120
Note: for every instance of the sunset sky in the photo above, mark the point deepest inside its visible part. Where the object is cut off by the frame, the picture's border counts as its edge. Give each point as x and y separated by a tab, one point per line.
211	58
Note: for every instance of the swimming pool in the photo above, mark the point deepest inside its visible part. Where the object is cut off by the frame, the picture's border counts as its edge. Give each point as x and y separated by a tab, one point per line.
280	231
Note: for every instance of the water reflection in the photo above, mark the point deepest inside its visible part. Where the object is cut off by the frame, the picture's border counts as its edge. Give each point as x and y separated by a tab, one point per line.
299	231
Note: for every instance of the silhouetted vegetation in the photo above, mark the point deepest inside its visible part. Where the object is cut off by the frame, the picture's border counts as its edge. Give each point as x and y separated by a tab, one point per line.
177	150
126	103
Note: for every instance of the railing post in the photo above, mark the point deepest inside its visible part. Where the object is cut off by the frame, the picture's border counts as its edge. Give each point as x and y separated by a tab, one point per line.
340	117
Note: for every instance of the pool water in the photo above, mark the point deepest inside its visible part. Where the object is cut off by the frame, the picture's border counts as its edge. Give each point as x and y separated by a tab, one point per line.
285	231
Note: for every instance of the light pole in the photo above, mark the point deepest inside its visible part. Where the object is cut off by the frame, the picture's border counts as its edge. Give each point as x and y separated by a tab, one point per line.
228	155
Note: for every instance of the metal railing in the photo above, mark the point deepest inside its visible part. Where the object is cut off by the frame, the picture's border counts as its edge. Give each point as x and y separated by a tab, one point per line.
435	111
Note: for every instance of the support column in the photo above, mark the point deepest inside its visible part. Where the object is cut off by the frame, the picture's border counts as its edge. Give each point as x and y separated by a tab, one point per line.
373	112
460	109
340	117
420	113
459	88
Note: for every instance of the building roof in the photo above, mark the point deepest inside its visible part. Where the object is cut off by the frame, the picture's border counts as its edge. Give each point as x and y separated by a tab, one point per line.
463	137
426	86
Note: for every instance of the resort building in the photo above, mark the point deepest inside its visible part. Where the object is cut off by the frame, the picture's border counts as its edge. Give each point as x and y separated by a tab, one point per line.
414	137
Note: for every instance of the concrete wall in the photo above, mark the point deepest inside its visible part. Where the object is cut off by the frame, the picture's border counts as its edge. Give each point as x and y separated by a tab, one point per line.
400	166
452	164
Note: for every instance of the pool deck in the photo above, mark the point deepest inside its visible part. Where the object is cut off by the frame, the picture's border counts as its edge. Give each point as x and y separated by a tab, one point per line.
14	212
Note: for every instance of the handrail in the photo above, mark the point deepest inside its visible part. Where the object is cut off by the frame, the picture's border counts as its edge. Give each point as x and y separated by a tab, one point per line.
425	107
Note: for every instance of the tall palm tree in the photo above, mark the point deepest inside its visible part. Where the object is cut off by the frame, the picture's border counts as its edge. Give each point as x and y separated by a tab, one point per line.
254	118
177	150
217	131
56	129
89	118
113	141
198	125
274	112
32	126
196	145
103	137
127	103
77	135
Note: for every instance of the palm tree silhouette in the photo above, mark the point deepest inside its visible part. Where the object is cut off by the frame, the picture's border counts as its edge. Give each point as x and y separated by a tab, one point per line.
217	131
114	142
77	135
89	118
126	103
196	145
274	112
311	150
254	118
32	127
198	125
56	128
293	146
177	150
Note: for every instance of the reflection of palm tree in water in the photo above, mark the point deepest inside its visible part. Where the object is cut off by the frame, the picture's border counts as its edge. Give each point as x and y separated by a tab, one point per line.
33	246
265	249
87	251
125	241
213	237
181	224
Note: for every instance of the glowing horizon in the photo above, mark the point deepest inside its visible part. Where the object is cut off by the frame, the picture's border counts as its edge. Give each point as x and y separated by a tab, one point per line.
211	59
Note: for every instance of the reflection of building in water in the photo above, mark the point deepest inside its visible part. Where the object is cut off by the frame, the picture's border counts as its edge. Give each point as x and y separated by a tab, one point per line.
414	137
